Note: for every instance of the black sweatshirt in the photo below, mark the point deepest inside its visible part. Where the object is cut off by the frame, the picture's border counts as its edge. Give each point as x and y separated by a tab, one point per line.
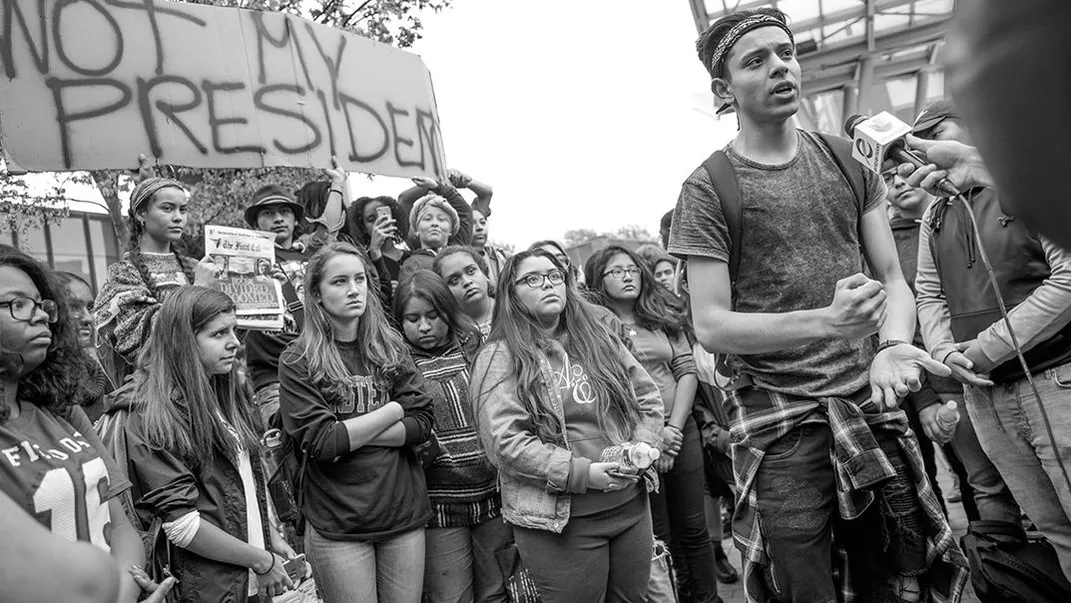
375	492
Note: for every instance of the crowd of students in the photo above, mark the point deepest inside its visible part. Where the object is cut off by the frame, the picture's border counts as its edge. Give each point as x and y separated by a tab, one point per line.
434	405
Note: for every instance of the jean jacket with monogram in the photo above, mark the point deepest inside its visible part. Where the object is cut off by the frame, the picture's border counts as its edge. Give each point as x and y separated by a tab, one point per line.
538	477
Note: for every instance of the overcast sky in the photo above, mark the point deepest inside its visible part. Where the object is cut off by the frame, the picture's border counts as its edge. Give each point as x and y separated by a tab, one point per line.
580	114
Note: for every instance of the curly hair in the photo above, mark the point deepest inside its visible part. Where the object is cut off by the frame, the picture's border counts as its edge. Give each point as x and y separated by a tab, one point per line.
355	218
65	370
709	39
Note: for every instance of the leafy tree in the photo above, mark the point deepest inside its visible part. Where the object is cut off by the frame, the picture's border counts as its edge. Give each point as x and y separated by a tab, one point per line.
635	232
579	236
221	193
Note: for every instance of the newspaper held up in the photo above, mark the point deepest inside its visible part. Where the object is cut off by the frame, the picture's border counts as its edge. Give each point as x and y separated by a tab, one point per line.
245	262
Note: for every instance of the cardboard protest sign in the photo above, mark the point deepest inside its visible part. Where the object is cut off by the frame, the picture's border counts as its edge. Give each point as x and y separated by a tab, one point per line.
245	261
92	83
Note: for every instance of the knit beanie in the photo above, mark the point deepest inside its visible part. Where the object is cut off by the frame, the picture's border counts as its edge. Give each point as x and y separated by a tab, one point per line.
427	202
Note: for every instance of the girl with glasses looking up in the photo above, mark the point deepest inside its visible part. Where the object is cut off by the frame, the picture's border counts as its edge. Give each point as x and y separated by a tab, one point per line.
622	282
553	387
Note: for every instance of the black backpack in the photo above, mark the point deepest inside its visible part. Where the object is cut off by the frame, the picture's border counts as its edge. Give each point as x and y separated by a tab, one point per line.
1007	566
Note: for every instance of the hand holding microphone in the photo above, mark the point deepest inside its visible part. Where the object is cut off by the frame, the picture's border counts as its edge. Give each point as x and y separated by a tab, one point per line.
880	143
948	161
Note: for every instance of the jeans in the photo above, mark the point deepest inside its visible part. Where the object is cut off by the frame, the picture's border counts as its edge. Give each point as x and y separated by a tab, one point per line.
601	557
1011	430
991	495
347	571
679	519
797	508
461	566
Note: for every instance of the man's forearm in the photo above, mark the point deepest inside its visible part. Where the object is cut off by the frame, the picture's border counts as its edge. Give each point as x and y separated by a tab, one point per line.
935	323
726	332
899	313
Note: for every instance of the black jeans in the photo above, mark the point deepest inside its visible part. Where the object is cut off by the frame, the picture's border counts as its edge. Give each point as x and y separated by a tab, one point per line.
797	498
679	519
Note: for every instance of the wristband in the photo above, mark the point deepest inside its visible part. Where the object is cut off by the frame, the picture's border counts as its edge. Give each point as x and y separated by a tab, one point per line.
270	568
889	343
335	190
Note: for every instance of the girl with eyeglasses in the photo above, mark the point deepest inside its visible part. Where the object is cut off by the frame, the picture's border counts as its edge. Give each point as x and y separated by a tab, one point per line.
193	454
53	465
355	405
466	274
623	283
466	528
151	268
553	387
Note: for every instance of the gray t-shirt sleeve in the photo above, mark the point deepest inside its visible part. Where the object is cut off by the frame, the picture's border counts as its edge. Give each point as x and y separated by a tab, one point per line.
698	222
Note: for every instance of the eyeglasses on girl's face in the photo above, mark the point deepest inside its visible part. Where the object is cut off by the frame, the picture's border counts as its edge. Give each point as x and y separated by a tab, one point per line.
23	308
619	273
535	281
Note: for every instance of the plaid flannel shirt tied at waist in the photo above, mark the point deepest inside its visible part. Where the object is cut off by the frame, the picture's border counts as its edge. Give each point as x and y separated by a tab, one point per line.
759	418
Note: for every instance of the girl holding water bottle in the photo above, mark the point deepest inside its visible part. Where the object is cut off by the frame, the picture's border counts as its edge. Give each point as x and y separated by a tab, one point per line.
553	388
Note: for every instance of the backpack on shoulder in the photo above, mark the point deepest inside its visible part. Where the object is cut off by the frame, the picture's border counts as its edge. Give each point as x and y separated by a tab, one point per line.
1008	566
723	179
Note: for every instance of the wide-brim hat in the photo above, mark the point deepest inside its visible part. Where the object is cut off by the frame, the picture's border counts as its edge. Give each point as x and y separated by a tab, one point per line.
272	195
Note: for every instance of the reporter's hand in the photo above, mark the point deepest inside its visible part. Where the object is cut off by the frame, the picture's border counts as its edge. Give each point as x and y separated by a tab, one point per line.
960	163
204	273
858	307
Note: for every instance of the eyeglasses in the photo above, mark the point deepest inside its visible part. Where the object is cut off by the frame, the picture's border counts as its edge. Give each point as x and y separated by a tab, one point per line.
619	273
535	281
23	308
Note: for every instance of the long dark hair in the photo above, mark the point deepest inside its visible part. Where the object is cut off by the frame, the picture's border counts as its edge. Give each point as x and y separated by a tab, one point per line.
182	401
582	335
65	369
655	309
133	244
431	288
383	349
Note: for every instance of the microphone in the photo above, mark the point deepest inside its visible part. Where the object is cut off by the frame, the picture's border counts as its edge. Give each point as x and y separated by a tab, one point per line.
881	137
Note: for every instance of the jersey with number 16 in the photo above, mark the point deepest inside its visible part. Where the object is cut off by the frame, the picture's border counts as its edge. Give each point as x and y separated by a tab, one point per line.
60	472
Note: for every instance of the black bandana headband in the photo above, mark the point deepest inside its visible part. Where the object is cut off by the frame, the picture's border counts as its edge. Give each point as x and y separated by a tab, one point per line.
717	60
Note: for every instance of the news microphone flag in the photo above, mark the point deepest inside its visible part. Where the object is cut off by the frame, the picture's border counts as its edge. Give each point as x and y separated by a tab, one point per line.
874	136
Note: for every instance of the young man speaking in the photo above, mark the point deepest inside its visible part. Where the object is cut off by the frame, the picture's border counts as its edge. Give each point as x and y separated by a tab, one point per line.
833	500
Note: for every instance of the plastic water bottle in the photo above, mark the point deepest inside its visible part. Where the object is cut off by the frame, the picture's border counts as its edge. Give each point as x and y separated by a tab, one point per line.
631	455
948	415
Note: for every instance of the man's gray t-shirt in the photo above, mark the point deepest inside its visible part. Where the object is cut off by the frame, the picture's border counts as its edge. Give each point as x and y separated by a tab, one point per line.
799	236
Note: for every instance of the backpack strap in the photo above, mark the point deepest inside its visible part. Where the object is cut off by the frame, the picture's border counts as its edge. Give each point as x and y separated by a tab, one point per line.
723	179
854	172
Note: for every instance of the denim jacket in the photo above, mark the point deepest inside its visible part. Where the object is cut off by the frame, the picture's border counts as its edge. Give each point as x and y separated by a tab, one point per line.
534	475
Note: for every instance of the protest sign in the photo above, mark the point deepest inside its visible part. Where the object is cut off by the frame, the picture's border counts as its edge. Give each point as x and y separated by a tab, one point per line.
92	83
245	261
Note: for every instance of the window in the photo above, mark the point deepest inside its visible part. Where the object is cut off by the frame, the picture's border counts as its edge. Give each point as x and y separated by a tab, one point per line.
69	251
